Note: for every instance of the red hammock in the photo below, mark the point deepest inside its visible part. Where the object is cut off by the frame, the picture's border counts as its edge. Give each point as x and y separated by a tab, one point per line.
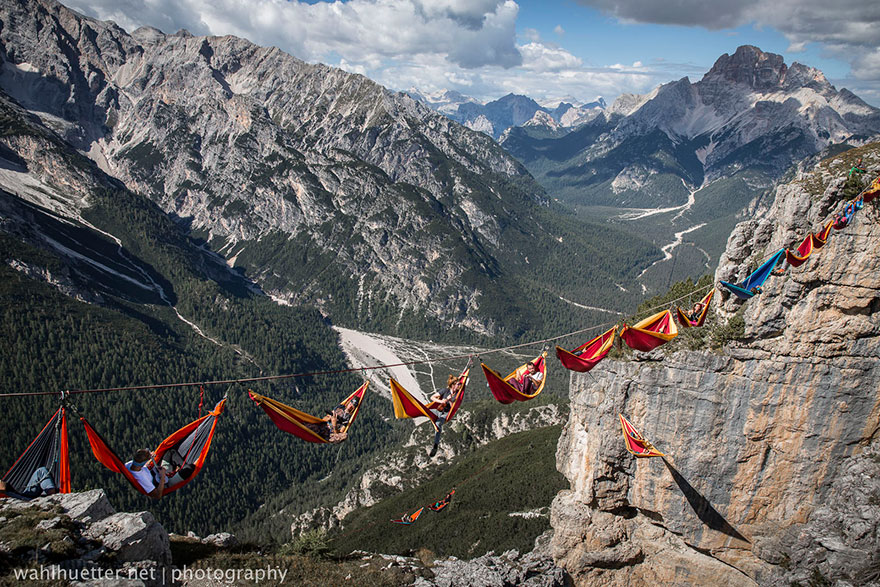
294	422
49	449
651	332
797	258
634	441
407	406
586	356
195	436
820	238
504	392
686	321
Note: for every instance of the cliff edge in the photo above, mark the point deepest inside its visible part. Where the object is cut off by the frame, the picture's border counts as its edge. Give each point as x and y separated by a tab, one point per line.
773	473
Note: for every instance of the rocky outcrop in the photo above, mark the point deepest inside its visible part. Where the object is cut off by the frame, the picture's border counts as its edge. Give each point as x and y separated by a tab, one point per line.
771	473
79	535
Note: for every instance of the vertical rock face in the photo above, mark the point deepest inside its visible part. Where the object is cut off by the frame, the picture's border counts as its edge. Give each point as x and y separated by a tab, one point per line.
772	471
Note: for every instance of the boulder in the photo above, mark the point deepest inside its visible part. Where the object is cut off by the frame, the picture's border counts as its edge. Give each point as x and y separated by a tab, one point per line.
133	537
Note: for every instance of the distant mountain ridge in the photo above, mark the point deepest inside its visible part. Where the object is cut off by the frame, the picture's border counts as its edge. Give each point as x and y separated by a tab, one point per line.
321	186
749	112
498	116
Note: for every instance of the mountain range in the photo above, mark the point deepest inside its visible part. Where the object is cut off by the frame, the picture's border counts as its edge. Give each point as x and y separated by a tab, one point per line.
496	117
321	186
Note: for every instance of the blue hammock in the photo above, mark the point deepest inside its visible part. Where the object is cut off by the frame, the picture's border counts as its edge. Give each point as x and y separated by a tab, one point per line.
753	282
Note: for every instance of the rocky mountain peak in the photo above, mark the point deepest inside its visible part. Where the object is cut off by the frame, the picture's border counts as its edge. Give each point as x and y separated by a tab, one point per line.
751	67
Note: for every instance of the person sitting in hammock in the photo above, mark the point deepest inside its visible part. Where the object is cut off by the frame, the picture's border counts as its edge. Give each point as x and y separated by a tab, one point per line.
696	311
154	487
444	399
176	470
531	379
41	483
332	426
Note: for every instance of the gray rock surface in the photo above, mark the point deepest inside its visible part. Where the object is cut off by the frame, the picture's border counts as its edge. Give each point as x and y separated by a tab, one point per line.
133	537
771	474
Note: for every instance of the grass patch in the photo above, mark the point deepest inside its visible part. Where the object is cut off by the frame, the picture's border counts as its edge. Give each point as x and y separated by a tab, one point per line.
514	474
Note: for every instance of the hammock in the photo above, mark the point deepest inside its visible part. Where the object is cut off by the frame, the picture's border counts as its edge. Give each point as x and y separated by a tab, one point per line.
506	393
407	406
797	258
49	449
686	321
634	441
410	519
192	443
752	285
819	239
295	422
651	332
586	356
872	192
439	505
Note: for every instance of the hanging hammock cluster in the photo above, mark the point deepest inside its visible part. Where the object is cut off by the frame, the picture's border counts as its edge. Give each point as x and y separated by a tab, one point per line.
47	456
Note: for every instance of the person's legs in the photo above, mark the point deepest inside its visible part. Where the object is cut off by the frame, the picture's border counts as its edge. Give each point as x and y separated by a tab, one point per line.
40	482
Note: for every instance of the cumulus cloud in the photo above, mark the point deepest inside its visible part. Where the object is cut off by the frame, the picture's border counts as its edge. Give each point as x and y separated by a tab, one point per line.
540	57
559	30
847	30
468	33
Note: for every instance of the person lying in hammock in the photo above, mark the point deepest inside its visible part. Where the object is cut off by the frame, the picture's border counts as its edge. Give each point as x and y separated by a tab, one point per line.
40	484
153	486
531	379
444	400
332	428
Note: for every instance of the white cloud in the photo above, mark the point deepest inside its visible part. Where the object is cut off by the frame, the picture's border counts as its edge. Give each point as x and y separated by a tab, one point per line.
539	57
559	30
847	30
467	33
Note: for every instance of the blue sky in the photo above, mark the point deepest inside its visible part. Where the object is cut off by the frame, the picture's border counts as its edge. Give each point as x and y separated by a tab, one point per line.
545	49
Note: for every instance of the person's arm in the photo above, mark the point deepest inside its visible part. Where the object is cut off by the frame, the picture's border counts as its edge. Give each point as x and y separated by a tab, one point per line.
156	493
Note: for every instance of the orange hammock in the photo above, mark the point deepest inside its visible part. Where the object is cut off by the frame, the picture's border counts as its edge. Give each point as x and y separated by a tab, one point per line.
506	393
820	238
586	356
406	406
295	422
634	441
193	442
49	449
650	332
407	520
686	321
797	258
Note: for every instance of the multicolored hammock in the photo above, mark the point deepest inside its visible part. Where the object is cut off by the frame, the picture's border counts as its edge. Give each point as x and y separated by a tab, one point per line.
651	332
410	519
586	356
295	422
635	443
192	443
439	505
407	406
50	450
872	192
686	321
506	393
798	257
752	284
819	239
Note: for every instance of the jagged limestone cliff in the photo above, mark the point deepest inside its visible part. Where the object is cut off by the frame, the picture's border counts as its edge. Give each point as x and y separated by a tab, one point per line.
772	474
